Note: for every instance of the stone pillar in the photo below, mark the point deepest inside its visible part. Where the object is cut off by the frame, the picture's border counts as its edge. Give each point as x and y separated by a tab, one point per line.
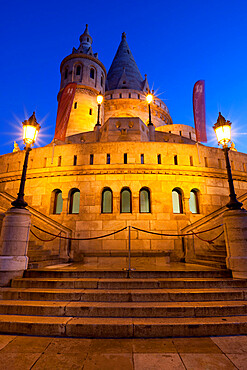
14	244
235	227
151	129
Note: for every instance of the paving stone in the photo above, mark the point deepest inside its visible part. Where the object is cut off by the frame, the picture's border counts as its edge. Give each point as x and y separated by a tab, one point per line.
60	361
153	346
5	339
199	361
68	345
239	360
195	345
232	344
157	361
22	344
106	361
16	361
110	346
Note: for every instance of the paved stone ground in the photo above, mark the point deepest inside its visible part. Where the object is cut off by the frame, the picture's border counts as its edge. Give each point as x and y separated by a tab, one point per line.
23	352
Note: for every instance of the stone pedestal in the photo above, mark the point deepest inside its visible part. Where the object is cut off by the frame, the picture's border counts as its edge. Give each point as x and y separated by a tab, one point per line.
14	244
235	226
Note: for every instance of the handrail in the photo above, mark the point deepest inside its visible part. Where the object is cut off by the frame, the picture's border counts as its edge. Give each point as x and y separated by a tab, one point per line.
211	216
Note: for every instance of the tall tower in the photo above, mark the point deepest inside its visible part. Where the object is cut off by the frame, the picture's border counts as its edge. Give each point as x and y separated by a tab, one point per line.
83	67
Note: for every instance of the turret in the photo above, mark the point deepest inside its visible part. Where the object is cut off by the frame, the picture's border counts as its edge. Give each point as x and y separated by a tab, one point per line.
83	67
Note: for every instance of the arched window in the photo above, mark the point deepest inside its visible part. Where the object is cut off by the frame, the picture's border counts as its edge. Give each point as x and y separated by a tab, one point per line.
57	202
125	201
66	73
193	201
92	73
74	201
177	201
102	81
106	201
78	70
144	200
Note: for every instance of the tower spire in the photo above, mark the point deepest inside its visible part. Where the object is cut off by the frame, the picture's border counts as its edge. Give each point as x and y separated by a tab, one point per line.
124	70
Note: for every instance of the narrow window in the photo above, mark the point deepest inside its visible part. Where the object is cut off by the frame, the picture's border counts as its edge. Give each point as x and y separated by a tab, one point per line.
180	133
45	161
58	202
191	160
175	160
190	135
170	132
101	81
129	95
106	201
66	74
111	96
75	160
142	158
92	73
120	96
177	202
7	169
75	105
90	111
108	158
74	201
244	167
78	70
87	39
125	201
138	96
219	163
91	158
205	161
144	200
193	201
232	165
159	158
125	158
59	162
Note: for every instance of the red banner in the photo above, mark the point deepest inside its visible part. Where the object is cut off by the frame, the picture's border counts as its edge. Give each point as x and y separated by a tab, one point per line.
63	110
199	111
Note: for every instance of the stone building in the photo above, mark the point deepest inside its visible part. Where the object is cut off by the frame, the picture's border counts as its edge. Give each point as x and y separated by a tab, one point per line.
124	172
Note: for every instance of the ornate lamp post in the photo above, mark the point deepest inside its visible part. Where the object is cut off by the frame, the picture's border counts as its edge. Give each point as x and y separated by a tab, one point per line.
222	130
100	99
149	99
30	132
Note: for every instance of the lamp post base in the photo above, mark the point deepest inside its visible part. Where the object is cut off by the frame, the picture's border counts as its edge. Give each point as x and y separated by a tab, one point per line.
235	227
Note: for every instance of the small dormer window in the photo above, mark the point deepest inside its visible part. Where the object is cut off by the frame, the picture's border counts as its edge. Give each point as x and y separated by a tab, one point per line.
87	39
92	73
78	70
66	74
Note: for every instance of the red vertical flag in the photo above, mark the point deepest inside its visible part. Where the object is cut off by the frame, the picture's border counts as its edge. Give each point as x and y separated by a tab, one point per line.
199	111
63	110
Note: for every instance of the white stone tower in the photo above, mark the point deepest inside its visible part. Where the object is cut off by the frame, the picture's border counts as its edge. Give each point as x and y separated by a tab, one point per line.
83	67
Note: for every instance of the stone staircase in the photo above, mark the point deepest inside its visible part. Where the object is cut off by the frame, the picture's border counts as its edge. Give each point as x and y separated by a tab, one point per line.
214	256
106	304
39	257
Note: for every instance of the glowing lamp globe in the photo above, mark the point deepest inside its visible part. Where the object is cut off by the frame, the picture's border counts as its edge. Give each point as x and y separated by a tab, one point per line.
222	130
30	130
100	99
149	98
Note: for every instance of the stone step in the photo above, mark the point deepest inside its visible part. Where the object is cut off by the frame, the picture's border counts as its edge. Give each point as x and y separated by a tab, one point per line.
122	327
212	257
142	295
214	264
94	283
44	263
119	274
123	309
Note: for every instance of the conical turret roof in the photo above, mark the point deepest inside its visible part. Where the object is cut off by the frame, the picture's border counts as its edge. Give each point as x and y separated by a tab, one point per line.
124	72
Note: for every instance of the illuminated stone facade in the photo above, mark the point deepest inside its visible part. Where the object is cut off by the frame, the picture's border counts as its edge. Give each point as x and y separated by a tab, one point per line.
121	155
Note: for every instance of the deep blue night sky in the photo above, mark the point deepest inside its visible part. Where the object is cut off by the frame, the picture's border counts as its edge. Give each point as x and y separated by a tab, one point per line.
175	42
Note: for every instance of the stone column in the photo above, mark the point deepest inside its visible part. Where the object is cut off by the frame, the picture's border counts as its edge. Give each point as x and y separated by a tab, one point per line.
151	129
14	244
235	227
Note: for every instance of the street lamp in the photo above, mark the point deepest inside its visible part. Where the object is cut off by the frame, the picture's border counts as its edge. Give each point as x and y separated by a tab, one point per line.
222	130
100	99
149	99
30	132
